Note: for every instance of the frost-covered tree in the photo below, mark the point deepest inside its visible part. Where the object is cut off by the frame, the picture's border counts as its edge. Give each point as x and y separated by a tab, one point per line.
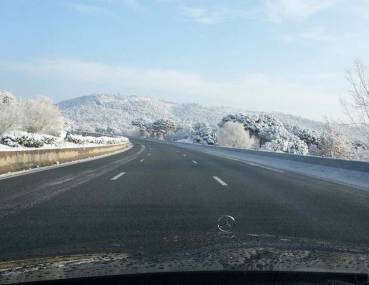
291	145
359	151
270	132
203	134
332	143
310	137
143	126
42	116
139	123
183	131
233	134
9	111
161	128
263	126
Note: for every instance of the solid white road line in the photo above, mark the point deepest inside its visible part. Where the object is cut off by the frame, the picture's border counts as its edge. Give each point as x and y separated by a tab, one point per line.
194	162
117	176
60	182
257	165
220	181
265	167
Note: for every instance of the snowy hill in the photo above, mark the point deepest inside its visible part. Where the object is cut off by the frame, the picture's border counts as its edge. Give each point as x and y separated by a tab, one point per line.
103	111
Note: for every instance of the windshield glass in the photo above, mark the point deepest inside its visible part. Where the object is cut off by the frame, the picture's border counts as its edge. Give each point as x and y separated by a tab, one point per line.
154	135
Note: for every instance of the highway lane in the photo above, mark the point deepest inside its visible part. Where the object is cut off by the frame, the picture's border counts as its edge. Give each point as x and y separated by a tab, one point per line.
158	197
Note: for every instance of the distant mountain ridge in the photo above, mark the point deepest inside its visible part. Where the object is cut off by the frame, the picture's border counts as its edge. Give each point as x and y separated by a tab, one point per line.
102	111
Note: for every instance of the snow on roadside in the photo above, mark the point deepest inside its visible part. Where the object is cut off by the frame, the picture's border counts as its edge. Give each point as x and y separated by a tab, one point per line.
354	178
5	147
57	164
78	139
185	141
17	141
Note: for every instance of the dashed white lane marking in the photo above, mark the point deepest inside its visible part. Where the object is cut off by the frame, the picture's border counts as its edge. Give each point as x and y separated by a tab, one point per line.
284	239
184	155
220	181
117	176
194	162
142	160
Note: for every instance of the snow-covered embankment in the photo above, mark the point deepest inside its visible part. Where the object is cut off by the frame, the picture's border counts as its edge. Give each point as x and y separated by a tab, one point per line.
21	158
349	172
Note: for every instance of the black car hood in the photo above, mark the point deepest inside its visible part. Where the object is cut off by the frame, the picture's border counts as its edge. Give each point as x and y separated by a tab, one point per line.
257	253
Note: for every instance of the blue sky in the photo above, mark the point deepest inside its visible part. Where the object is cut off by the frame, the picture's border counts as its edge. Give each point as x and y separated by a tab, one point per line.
269	55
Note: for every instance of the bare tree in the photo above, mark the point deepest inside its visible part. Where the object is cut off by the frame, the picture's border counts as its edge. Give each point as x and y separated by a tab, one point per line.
332	143
357	108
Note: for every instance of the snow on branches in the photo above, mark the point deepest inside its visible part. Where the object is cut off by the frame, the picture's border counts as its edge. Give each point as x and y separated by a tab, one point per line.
270	132
158	129
203	134
38	115
9	111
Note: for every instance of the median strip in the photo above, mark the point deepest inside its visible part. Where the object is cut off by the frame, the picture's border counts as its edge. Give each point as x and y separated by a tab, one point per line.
117	176
220	181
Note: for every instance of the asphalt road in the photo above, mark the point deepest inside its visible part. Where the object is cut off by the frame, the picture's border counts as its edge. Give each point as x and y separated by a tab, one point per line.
158	197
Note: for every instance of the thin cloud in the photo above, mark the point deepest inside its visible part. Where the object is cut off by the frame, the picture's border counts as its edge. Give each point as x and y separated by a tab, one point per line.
202	16
278	11
259	92
316	34
107	8
88	9
215	15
